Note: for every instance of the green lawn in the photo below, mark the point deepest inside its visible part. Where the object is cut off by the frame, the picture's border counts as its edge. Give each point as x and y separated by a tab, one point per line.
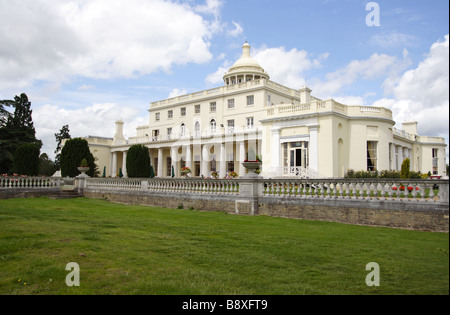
141	250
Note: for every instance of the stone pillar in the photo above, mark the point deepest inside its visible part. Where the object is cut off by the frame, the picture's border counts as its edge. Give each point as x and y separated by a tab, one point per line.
114	165
124	164
174	157
223	161
189	157
205	166
160	162
242	157
275	148
314	147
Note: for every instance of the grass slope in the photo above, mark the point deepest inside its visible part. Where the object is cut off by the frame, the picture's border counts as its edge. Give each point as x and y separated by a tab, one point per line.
141	250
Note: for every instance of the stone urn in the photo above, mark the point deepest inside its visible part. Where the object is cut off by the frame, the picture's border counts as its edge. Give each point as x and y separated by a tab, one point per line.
252	167
83	170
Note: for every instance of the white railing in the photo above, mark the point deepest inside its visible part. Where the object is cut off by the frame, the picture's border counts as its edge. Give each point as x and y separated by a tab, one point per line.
188	185
358	189
339	189
29	182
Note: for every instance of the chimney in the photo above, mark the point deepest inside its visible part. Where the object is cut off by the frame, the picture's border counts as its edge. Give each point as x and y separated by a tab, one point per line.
305	95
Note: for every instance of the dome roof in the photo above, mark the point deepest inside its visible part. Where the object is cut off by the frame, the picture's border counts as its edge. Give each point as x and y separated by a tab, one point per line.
246	60
246	65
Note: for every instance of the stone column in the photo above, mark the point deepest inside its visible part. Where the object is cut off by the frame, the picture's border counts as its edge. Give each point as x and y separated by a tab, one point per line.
160	162
189	157
314	147
124	164
114	165
174	156
275	148
223	161
242	157
205	161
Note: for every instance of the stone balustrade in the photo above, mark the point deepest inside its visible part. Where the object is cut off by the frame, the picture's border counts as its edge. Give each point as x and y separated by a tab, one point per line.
406	190
346	189
29	182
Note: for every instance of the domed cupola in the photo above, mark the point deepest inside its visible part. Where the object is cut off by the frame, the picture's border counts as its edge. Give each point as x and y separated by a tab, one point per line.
245	69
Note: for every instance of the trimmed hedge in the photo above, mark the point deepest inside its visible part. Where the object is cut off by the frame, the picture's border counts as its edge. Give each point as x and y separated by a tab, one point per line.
138	162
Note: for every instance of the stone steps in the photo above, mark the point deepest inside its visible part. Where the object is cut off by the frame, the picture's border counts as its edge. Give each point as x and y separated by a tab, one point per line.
66	194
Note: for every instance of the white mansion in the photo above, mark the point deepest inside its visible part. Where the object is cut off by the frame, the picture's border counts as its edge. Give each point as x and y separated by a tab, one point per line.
294	133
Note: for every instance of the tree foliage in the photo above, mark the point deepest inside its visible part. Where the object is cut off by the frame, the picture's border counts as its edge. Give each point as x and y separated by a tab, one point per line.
73	152
26	159
16	129
63	134
405	168
138	162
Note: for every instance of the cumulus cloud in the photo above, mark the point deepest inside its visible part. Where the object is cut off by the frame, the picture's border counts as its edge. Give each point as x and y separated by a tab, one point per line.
286	67
104	39
422	94
95	120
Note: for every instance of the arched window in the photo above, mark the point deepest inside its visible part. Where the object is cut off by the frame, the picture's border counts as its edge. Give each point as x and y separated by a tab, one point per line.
183	130
212	126
197	129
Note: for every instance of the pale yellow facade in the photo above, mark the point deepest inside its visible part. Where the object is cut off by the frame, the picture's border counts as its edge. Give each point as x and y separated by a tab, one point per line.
293	132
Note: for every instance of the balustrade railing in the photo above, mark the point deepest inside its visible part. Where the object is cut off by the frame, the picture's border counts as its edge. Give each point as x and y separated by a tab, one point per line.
29	182
382	190
342	189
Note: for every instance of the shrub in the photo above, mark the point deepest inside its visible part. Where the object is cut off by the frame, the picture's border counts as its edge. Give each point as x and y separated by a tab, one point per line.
405	168
72	155
138	162
26	159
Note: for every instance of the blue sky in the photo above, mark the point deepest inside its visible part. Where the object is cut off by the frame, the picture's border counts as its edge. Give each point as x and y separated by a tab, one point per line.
88	63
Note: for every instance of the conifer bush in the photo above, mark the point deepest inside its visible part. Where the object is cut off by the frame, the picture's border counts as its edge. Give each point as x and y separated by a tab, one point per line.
138	162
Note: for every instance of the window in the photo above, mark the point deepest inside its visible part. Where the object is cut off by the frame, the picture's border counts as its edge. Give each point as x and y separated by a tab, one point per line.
250	100
197	129
231	103
182	130
372	155
169	133
212	126
157	116
212	107
155	135
250	123
197	109
269	100
170	114
230	126
183	111
434	153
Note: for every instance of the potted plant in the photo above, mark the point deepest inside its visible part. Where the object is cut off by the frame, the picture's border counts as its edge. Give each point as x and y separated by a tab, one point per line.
83	168
214	174
233	175
185	171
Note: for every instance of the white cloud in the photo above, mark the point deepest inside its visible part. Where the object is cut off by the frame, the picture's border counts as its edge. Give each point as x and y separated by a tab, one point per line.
375	67
53	40
422	94
287	67
237	31
95	120
393	39
177	92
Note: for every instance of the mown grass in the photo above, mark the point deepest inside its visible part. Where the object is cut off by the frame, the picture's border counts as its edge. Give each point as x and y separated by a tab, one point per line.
141	250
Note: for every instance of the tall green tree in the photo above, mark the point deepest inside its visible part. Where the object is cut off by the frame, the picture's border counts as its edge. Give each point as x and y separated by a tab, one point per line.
46	166
26	159
138	162
63	134
16	129
73	152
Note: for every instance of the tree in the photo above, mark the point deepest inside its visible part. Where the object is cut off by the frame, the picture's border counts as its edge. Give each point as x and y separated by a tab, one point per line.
73	152
138	162
26	159
46	166
63	134
405	168
16	128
